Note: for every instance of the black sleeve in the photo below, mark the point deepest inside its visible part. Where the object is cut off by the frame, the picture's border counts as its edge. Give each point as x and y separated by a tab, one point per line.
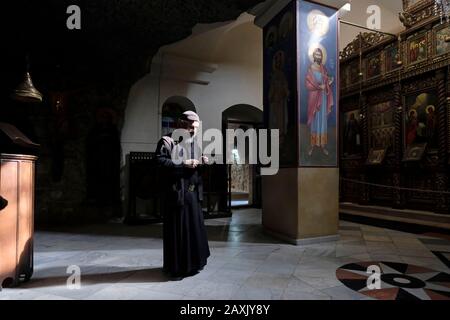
164	158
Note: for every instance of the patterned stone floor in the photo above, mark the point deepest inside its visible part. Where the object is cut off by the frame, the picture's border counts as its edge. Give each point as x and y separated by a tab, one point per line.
124	262
395	281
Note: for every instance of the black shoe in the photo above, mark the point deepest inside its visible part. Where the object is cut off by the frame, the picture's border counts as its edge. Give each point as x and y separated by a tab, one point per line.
175	278
193	273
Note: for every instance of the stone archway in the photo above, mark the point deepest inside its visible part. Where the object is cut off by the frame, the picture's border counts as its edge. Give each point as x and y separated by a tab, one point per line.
244	183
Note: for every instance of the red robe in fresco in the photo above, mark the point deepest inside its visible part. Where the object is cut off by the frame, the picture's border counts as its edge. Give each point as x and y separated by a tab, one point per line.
320	103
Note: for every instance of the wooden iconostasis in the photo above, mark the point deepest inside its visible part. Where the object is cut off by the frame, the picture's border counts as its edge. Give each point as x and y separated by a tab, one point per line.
395	116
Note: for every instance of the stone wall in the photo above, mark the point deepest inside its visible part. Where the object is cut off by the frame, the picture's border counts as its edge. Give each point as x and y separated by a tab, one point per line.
61	170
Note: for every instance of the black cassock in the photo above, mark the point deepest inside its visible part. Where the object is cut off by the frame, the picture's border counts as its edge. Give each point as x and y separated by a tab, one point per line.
186	247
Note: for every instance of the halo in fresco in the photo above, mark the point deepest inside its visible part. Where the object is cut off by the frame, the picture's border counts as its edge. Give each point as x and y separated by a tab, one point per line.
318	23
430	108
313	47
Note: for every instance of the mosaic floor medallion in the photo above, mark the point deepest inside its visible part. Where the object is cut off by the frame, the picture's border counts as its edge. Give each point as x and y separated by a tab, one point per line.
395	281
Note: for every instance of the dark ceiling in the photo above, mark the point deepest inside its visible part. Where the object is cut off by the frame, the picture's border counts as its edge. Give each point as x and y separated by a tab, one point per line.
116	39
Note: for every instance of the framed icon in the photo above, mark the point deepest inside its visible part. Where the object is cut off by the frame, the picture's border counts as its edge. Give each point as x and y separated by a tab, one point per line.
376	156
415	152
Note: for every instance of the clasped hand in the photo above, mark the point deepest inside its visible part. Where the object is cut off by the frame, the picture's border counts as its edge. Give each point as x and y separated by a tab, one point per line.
193	163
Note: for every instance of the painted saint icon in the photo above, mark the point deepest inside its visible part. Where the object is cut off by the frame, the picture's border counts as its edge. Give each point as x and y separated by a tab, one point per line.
317	78
320	100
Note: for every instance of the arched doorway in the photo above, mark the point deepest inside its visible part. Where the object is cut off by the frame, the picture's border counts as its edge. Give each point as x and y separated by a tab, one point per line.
244	180
172	110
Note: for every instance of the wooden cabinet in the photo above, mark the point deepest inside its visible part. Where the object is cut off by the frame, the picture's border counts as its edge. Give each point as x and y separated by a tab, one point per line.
16	219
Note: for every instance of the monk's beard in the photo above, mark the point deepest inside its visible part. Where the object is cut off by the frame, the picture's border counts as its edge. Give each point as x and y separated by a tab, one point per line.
191	139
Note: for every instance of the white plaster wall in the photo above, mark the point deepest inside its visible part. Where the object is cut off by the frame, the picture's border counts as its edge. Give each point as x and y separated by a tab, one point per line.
215	69
389	18
140	121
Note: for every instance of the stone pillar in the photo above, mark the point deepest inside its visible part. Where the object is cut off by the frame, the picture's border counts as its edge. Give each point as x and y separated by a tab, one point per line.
301	203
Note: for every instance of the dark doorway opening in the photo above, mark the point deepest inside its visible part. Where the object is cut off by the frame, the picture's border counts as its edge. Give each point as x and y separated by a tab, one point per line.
244	180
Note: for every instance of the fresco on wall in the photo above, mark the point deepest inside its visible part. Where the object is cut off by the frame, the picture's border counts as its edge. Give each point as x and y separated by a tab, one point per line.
442	46
352	133
417	49
374	66
382	126
420	121
318	96
279	82
392	58
354	70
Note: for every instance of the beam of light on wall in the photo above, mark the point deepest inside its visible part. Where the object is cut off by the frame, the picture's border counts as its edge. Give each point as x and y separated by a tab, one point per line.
347	7
344	10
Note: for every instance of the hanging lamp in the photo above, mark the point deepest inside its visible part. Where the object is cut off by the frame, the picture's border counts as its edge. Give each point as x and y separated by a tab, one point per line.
25	91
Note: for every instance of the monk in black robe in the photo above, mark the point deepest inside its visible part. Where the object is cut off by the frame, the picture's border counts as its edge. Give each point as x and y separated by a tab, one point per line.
186	247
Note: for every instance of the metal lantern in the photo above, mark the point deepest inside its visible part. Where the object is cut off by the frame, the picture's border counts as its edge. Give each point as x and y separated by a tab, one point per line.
26	92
